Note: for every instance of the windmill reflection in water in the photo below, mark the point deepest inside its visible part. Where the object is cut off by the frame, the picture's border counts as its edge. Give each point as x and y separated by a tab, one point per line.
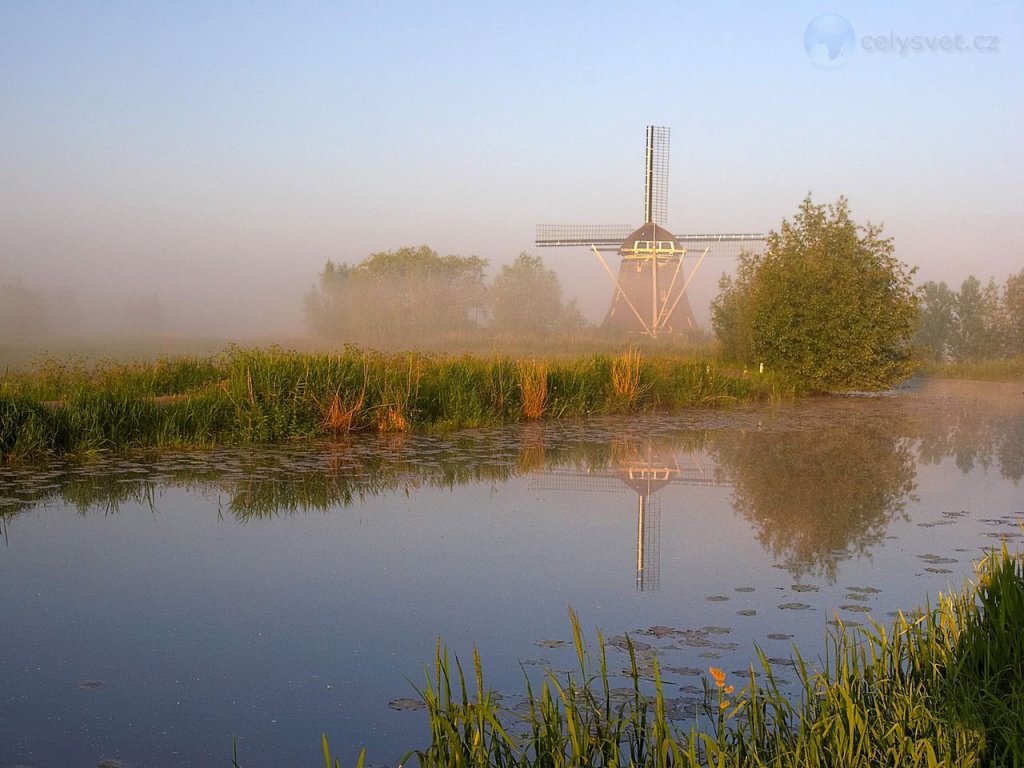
645	470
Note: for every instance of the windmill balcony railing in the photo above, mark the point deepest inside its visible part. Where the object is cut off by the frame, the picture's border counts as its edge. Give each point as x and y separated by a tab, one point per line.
645	248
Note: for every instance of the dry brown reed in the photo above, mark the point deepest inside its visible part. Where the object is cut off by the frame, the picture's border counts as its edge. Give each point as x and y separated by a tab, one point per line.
533	383
391	414
340	415
391	418
626	375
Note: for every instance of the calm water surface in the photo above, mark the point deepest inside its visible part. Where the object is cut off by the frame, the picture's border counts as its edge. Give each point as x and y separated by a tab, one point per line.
156	609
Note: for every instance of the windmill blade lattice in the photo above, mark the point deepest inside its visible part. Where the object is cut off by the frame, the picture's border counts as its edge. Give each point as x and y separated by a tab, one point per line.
656	174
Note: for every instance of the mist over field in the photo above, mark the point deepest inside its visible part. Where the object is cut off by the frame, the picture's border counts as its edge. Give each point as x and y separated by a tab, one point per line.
40	312
187	171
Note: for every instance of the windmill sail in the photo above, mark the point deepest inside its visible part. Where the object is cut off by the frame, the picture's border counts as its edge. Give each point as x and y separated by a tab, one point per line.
656	175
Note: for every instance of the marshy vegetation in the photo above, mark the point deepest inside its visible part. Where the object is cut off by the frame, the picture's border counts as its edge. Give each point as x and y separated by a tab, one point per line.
944	686
272	395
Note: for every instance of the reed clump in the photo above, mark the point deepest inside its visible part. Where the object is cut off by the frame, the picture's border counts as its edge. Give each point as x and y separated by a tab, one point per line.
533	384
340	416
625	373
945	688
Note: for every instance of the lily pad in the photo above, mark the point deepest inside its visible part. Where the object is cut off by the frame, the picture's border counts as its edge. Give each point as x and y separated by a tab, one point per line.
936	559
686	671
550	643
407	705
622	643
659	631
715	630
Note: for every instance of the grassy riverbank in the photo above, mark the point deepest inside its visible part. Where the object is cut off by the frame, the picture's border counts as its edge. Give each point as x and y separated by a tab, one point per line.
1003	369
272	395
944	687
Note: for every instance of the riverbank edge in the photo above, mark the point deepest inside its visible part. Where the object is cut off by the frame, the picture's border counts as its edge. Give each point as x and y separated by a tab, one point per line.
274	395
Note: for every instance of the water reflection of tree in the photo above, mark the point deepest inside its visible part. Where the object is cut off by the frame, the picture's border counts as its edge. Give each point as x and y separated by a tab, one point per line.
253	483
976	436
1011	449
814	496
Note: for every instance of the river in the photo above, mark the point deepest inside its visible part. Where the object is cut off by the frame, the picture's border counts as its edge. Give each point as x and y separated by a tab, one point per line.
158	609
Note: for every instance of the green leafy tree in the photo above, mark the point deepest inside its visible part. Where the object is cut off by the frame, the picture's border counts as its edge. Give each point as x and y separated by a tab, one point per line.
938	320
526	297
1013	314
977	331
397	297
731	310
827	302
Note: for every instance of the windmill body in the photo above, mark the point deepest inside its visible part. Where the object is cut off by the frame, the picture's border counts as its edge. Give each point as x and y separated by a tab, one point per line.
650	286
649	295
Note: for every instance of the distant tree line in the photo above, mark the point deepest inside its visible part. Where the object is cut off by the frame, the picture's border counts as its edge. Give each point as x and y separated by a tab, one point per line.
977	322
28	313
413	295
24	311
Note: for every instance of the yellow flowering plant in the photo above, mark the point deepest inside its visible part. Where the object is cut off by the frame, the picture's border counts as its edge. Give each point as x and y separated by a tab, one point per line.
723	689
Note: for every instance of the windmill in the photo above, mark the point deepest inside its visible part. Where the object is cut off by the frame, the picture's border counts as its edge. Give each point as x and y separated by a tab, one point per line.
650	290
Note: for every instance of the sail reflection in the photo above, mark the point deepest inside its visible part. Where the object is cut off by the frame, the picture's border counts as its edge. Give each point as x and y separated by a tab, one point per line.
644	467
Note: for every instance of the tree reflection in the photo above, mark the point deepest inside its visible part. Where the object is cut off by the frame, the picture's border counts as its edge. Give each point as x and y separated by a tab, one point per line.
814	496
983	426
1011	449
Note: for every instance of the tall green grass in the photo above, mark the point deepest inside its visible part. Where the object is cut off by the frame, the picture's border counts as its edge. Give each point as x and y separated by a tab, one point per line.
941	688
274	395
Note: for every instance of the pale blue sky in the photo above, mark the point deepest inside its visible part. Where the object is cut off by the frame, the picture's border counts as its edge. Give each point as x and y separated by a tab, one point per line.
221	152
